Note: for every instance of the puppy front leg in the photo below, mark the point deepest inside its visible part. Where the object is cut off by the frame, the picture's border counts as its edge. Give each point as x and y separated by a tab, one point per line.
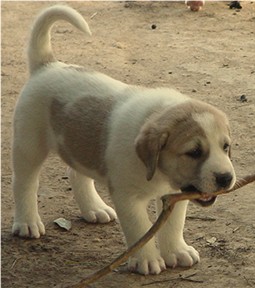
134	220
173	247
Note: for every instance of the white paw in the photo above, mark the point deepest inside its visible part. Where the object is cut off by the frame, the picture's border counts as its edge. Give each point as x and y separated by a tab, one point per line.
146	265
28	229
103	214
182	255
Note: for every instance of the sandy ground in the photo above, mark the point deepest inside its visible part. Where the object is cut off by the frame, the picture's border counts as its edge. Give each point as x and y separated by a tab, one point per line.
208	55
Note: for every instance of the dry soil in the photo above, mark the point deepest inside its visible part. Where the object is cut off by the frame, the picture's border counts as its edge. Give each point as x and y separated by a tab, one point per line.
209	55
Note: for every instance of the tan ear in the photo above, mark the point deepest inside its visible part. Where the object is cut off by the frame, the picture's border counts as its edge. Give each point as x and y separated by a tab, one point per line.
149	143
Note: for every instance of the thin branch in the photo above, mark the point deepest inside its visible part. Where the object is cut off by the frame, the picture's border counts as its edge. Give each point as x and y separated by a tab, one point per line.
206	218
168	205
187	278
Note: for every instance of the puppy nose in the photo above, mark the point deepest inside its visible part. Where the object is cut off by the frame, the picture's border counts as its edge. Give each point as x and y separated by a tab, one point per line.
223	180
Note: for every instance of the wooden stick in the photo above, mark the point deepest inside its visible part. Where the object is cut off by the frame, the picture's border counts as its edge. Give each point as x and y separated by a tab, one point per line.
168	205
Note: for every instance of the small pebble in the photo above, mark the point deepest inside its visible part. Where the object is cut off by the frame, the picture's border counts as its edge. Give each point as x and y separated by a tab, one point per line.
153	26
243	98
235	5
118	45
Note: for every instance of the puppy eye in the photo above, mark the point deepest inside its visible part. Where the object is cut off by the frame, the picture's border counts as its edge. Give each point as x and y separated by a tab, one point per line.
195	153
226	147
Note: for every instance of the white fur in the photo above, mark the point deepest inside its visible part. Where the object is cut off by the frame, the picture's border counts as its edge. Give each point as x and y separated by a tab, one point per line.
38	130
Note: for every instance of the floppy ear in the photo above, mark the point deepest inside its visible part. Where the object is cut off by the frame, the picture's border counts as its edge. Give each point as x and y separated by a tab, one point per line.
148	144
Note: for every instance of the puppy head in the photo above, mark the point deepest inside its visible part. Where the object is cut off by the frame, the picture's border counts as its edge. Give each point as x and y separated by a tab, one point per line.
190	144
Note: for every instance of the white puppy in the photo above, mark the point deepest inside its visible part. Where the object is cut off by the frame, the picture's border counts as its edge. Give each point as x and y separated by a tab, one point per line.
142	143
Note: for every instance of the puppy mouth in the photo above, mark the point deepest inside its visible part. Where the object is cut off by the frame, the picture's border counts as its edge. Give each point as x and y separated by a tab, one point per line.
204	201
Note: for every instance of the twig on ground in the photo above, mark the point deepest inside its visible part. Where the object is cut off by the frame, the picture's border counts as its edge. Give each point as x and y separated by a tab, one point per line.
192	280
93	15
168	205
15	261
181	277
160	281
211	219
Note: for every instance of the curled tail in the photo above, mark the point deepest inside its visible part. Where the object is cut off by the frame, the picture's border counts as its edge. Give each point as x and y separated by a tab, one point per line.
39	49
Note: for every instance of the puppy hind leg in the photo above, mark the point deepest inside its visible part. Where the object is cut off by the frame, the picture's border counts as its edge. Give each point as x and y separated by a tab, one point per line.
92	207
27	162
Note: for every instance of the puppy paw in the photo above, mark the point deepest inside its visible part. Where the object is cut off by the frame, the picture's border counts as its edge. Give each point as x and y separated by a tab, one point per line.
100	215
29	229
146	265
183	255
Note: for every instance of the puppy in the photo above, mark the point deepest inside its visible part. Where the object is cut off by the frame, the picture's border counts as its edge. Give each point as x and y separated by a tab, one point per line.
142	143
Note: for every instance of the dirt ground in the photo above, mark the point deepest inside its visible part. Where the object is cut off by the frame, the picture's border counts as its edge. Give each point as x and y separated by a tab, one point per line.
208	55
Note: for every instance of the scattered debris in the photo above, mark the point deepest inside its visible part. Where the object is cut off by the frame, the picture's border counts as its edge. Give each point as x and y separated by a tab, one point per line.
181	278
96	240
243	98
118	45
15	261
64	31
211	240
93	15
207	83
205	218
63	223
237	228
235	5
200	236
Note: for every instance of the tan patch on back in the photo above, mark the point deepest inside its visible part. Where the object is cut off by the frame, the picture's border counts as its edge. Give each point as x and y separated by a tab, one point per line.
82	128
